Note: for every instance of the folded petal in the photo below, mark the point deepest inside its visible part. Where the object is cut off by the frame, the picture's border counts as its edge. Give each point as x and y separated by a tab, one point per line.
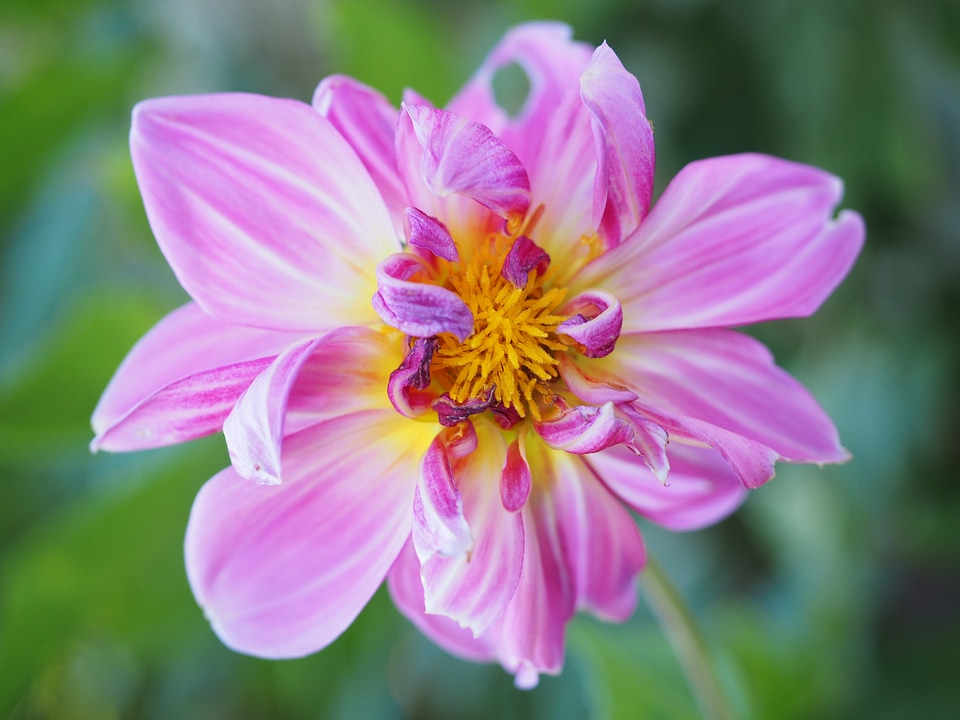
412	375
729	380
602	547
341	372
524	255
368	122
752	461
460	157
553	64
599	329
473	589
184	343
733	240
591	389
265	213
282	570
701	489
439	527
416	308
584	428
623	185
429	233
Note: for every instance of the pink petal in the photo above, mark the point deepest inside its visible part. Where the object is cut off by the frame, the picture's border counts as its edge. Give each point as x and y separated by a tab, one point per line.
368	122
515	478
184	343
701	489
532	631
623	185
429	233
474	589
263	210
729	380
406	590
254	428
186	409
524	255
439	527
416	308
751	461
602	547
590	389
282	570
733	240
552	62
599	330
310	381
585	429
463	158
413	374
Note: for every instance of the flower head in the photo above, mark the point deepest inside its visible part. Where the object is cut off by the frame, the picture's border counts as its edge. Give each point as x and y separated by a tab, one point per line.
450	346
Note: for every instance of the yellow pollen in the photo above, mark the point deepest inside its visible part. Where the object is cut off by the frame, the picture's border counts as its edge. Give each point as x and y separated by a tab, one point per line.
513	348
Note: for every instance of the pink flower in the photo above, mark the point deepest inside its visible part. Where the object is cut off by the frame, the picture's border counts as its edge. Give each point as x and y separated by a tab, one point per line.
450	346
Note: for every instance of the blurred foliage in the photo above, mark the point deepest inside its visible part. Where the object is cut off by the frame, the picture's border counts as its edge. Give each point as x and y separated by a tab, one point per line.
833	593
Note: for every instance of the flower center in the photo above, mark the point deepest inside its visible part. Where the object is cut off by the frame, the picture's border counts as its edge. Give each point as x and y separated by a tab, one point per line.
513	350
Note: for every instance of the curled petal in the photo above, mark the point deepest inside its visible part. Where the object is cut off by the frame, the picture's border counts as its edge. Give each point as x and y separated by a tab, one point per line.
752	462
438	523
429	233
585	429
282	570
368	122
701	489
254	428
649	442
312	380
464	158
413	373
599	332
264	212
418	309
474	589
524	255
623	184
449	412
732	240
515	478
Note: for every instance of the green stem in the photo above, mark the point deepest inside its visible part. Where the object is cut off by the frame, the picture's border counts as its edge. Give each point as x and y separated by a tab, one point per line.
681	630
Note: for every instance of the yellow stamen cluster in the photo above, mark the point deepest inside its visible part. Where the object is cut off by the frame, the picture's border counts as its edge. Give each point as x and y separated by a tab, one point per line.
513	348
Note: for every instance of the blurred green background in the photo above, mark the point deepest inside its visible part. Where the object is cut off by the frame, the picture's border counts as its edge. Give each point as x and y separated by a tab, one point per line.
832	593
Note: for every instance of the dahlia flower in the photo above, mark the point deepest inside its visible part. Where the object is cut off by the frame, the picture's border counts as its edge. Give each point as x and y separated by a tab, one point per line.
449	347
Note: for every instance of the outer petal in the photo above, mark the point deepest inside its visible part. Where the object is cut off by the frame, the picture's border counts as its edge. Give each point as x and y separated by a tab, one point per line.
339	373
733	240
624	140
406	589
729	380
263	210
368	122
553	64
602	547
474	589
464	158
184	343
702	488
282	570
186	409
